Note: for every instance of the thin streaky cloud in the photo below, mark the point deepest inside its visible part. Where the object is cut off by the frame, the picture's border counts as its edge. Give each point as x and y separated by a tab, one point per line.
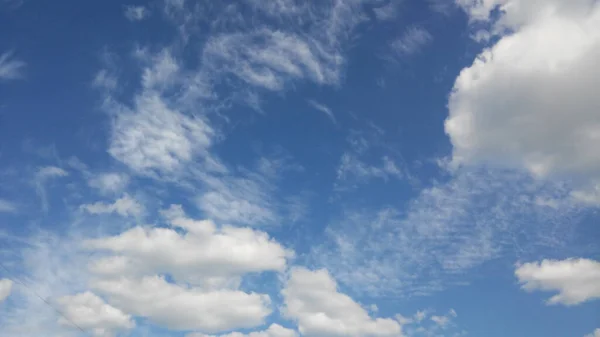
324	109
10	68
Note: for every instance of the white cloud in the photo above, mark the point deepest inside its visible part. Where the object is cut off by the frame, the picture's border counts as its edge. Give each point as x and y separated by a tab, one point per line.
185	308
528	102
124	206
136	13
324	109
42	175
7	206
47	172
91	313
411	41
575	280
239	200
155	138
440	320
596	333
444	232
353	169
387	12
10	68
109	182
311	298
5	289
274	330
205	255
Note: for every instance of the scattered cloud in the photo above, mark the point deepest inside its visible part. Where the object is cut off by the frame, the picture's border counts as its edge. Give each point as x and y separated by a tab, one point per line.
444	232
10	68
136	13
351	168
324	109
5	289
42	175
91	313
109	183
575	280
7	206
388	11
527	101
312	299
596	333
124	206
411	41
155	139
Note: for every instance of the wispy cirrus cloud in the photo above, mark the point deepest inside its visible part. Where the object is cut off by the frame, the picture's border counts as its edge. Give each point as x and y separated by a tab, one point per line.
412	41
136	13
444	232
7	206
10	68
324	109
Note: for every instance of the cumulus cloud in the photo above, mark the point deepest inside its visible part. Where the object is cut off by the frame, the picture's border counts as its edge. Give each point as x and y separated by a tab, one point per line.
575	280
205	254
528	102
136	13
311	298
5	289
124	206
185	308
10	68
91	313
274	330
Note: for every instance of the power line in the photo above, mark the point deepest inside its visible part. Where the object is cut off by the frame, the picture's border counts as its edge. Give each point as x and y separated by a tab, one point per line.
43	300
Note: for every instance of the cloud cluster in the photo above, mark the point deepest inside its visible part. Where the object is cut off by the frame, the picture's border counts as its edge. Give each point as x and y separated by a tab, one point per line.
575	280
527	102
91	313
312	300
447	230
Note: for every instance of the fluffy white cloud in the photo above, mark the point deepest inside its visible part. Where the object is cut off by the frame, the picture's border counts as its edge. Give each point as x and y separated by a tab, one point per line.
109	182
124	206
596	333
9	67
5	288
311	298
91	313
575	280
185	308
7	206
274	330
204	255
529	101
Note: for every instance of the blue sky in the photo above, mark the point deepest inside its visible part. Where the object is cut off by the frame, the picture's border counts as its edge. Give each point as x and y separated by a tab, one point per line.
299	168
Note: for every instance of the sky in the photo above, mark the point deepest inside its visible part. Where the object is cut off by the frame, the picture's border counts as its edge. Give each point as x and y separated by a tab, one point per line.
287	168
